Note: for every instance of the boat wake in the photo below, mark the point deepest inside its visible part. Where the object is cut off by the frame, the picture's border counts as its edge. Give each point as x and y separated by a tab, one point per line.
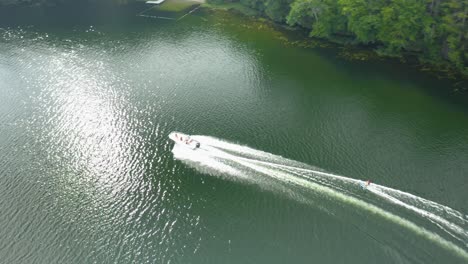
442	225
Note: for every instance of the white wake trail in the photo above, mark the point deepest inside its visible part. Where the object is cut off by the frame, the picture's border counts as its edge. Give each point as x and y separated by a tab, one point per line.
237	160
453	229
268	159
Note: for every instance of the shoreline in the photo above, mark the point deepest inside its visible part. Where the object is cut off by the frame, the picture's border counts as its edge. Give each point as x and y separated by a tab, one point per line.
353	52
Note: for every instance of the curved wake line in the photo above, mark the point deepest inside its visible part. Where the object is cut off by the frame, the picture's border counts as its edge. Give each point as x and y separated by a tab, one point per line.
369	207
218	152
374	188
447	209
220	144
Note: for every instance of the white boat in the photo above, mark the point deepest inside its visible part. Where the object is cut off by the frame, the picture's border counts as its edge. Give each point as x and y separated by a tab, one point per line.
184	140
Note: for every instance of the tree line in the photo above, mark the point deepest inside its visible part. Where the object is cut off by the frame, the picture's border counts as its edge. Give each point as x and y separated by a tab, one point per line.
435	30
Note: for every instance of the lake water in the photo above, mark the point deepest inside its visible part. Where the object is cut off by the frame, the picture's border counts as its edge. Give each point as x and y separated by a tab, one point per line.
88	175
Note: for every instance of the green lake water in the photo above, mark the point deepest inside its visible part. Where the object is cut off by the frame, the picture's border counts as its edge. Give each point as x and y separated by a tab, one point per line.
88	174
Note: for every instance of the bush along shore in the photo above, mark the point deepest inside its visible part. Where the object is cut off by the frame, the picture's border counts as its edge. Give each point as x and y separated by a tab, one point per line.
433	31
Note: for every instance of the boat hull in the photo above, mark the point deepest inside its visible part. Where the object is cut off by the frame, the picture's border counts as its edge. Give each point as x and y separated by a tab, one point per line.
184	140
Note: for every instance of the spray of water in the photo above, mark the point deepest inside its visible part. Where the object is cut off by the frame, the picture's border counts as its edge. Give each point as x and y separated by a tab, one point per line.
243	163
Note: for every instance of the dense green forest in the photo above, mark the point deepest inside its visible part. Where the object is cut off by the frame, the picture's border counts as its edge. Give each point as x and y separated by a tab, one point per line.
433	30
